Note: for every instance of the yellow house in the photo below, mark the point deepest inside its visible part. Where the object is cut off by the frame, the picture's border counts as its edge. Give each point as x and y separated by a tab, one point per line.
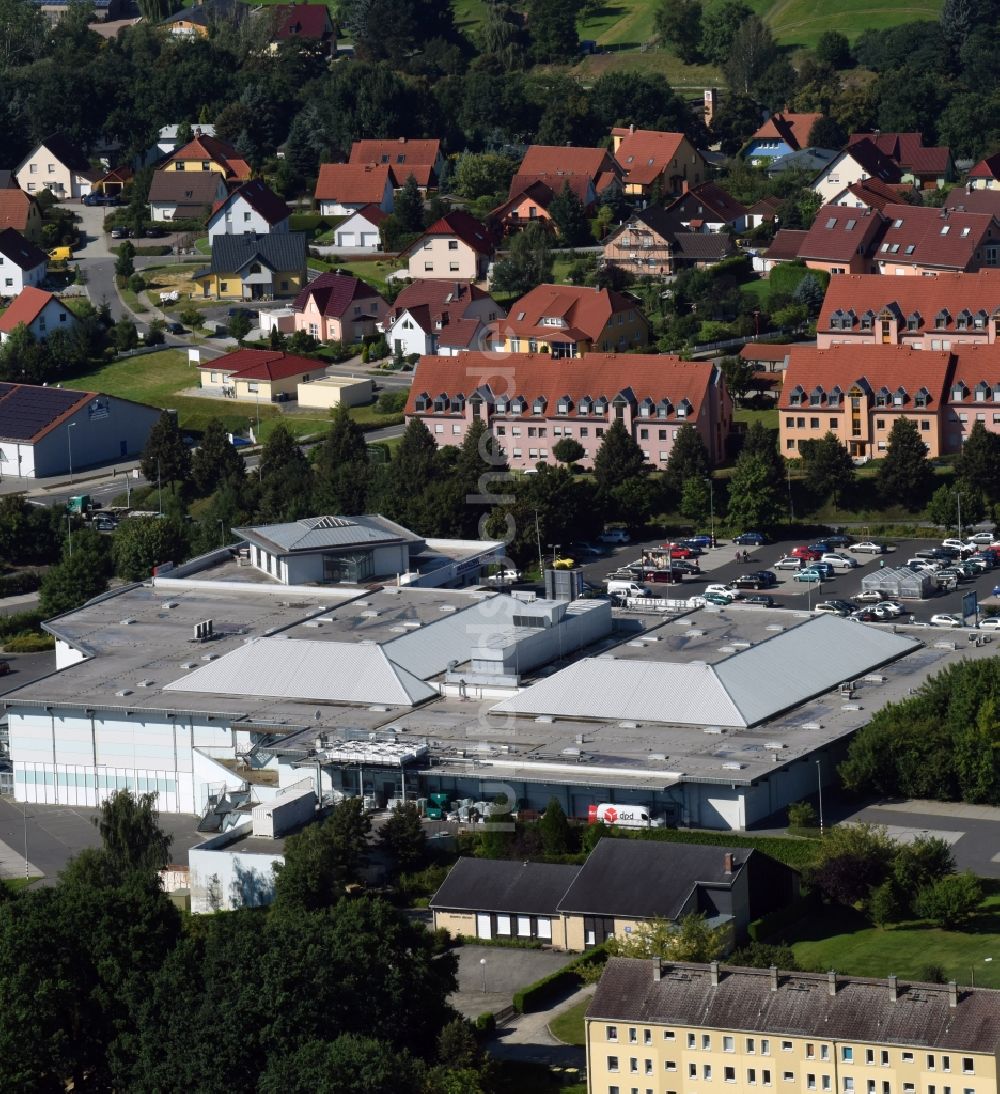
254	267
258	375
649	158
570	320
686	1027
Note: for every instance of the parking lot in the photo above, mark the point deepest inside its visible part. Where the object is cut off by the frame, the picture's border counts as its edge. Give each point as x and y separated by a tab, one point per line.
720	565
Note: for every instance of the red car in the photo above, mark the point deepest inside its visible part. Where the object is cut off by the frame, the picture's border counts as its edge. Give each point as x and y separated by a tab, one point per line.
805	552
677	551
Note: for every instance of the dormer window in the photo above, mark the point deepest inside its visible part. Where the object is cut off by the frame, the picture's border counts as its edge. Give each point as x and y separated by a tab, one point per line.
684	408
553	321
958	390
646	408
664	408
423	401
795	396
980	320
982	391
835	397
899	396
941	319
601	405
565	405
503	403
441	404
538	406
457	404
921	398
913	321
868	320
882	397
586	405
964	318
517	405
816	396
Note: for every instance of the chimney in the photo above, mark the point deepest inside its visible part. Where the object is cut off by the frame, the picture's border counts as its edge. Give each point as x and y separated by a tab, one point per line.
893	987
402	140
657	971
832	977
952	993
631	127
774	977
728	862
711	104
713	972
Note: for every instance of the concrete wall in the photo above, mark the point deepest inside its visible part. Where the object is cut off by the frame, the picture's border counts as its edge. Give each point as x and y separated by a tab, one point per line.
230	879
330	392
104	431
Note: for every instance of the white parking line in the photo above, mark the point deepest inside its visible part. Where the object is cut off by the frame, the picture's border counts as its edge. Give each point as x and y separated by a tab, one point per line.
908	835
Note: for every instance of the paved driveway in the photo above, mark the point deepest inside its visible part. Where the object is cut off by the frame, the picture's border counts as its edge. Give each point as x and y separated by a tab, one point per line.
506	971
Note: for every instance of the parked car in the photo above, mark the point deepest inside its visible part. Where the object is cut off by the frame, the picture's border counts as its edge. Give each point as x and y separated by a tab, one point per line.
104	524
173	327
982	537
890	607
867	547
659	577
865	615
748	539
92	199
760	601
883	612
824	568
831	607
759	579
615	535
870	596
154	233
702	541
677	551
119	233
823	546
840	562
955	544
722	590
946	619
982	563
788	562
810	554
990	623
837	540
504	577
926	564
588	550
810	574
718	599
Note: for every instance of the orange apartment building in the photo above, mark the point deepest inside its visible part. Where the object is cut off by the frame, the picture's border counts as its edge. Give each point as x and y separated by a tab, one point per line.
531	402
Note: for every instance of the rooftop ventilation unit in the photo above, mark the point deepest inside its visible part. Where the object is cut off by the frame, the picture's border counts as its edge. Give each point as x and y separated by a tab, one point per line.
811	725
210	657
412	625
448	609
733	765
571	752
204	630
628	725
370	614
776	745
544	719
124	691
127	622
657	757
313	624
715	730
189	665
874	678
144	684
850	706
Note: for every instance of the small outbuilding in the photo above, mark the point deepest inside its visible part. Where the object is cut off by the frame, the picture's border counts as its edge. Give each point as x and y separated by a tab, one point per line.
898	582
328	392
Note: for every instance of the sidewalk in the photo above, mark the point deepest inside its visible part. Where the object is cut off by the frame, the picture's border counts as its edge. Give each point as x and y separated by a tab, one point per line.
526	1037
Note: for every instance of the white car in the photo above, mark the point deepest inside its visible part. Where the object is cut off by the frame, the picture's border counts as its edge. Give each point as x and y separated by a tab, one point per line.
615	535
867	547
840	562
723	590
925	564
788	562
890	608
990	623
869	596
955	544
504	577
981	538
946	620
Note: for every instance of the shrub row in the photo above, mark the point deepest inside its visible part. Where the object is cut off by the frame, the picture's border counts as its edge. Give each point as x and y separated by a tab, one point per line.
792	852
502	943
18	622
543	992
26	581
29	642
760	930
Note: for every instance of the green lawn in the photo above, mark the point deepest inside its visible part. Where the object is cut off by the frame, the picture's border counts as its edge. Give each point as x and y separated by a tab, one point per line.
568	1025
515	1077
842	939
759	287
372	271
767	418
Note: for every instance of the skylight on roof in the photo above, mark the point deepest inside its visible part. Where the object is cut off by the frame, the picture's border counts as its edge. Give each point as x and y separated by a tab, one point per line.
909	249
849	226
945	229
520	316
965	232
897	224
832	222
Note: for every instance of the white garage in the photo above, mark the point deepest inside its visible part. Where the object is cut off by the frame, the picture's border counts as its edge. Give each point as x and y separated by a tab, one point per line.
360	231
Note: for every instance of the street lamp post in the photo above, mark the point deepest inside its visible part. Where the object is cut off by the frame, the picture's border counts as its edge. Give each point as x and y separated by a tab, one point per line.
711	507
69	445
986	961
819	784
958	499
482	965
69	533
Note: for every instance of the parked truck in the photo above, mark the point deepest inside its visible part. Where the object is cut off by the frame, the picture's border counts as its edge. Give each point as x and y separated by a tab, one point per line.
624	816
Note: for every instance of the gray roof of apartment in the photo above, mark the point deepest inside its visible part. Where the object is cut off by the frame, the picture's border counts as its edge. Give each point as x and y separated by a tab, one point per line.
323	533
861	1009
644	878
283	252
528	888
745	688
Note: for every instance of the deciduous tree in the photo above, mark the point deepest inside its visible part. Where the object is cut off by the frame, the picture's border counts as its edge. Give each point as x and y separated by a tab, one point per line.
756	499
828	466
677	23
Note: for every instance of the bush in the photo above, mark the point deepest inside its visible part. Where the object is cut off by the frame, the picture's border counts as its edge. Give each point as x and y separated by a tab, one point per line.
158	251
541	993
27	581
801	815
486	1024
29	642
190	317
424	882
949	900
19	622
391	402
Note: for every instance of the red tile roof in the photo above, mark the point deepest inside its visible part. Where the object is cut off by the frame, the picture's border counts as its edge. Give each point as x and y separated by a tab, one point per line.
404	156
585	312
880	366
786	244
14	208
974	365
877	194
645	154
117	174
557	159
461	334
260	197
988	168
336	292
974	201
543	188
372	213
764	351
947	239
204	147
926	296
793	129
262	364
709	202
872	160
352	183
26	307
433	302
530	375
766	206
909	152
302	21
838	234
462	226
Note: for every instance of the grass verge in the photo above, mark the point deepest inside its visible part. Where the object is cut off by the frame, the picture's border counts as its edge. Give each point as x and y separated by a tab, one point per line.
568	1024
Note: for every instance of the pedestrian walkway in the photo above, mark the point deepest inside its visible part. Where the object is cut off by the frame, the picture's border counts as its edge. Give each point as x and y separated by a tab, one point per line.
12	864
526	1037
941	809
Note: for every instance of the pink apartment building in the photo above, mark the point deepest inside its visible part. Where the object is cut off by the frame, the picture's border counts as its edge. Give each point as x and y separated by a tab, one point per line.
530	402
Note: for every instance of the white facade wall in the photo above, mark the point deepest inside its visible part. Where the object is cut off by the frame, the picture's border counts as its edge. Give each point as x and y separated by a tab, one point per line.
103	431
358	232
234	879
308	568
406	336
17	459
13	279
42	171
844	171
54	316
239	217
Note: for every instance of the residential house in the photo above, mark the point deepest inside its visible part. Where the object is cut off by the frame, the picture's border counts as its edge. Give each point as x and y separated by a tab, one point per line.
936	313
456	248
860	160
922	240
531	401
336	307
654	243
360	231
872	193
56	165
445	317
782	133
185	195
252	207
968	199
763	211
205	153
20	211
168	140
784	248
113	182
22	264
708	208
926	167
843	240
300	22
549	161
197	21
38	311
857	392
973	393
656	164
623	885
570	320
51	430
344	188
404	157
986	174
810	161
761	1028
254	267
530	197
258	375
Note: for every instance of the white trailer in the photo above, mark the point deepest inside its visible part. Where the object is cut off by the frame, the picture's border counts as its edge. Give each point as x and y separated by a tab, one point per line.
293	806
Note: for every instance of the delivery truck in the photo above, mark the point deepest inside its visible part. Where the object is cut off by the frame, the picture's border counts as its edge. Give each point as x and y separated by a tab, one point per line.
624	816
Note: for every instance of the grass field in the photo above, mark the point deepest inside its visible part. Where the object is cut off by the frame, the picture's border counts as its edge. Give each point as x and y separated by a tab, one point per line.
568	1024
842	939
372	271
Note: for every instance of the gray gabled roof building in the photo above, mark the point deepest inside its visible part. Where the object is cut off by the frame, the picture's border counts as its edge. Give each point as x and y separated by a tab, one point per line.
283	252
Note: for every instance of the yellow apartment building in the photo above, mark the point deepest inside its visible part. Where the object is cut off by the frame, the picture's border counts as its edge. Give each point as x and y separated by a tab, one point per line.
688	1028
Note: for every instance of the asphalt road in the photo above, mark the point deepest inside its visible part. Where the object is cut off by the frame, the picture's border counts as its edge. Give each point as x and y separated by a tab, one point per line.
720	565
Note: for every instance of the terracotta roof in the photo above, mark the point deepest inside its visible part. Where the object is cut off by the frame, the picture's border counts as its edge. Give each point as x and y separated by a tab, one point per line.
26	307
909	152
872	160
859	1009
710	202
14	246
766	206
878	366
440	305
793	129
335	292
928	297
556	159
121	173
935	237
585	311
961	198
838	234
204	147
404	156
975	366
185	187
302	21
259	196
372	213
543	188
352	183
877	194
530	375
786	244
765	351
988	168
462	334
263	364
463	226
645	154
14	208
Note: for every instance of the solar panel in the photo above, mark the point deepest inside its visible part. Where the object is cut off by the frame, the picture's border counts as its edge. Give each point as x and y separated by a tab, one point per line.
25	411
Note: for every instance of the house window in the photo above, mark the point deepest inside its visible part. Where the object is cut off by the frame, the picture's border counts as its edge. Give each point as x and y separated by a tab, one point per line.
847	1054
706	1072
968	1066
729	1075
428	267
612	1063
706	1042
728	1044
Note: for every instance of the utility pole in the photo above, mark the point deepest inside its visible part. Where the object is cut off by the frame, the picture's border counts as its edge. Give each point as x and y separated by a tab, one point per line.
711	506
958	498
159	485
69	445
819	783
538	541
